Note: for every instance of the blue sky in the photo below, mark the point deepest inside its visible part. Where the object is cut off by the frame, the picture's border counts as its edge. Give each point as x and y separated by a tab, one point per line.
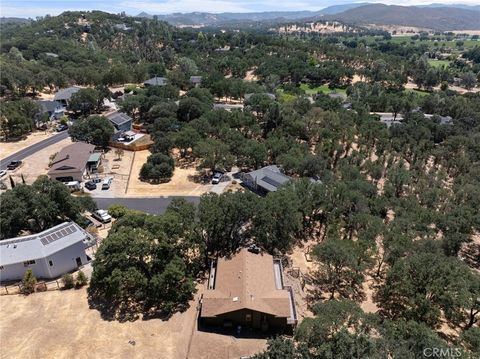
32	8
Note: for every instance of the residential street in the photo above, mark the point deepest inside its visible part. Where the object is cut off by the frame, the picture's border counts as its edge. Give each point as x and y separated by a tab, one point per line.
22	154
150	205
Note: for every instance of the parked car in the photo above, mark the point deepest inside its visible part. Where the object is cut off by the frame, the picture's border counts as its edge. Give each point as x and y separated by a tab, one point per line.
3	173
102	215
73	186
62	128
13	165
217	177
90	185
107	182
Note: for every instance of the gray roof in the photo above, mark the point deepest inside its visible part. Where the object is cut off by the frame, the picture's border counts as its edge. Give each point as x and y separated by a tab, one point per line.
71	157
269	178
338	95
65	94
156	81
40	245
49	106
119	118
196	79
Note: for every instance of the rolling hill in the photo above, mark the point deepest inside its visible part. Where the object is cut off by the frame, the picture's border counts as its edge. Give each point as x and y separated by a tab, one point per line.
436	18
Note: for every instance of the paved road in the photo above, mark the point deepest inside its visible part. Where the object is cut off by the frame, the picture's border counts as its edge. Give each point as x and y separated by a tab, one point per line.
22	154
156	205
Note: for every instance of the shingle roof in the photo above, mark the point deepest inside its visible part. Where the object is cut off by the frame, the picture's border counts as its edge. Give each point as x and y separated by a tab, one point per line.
246	281
269	178
72	157
119	118
40	245
156	81
66	94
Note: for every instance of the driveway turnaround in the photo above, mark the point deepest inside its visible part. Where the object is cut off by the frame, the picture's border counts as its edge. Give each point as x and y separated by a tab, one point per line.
156	205
30	150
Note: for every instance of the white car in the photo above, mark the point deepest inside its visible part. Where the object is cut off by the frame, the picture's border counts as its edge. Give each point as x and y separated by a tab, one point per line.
3	173
217	177
102	215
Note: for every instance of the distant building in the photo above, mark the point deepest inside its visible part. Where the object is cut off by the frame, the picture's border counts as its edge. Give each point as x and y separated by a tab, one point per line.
265	180
64	95
48	254
247	290
121	121
73	162
54	109
156	81
196	80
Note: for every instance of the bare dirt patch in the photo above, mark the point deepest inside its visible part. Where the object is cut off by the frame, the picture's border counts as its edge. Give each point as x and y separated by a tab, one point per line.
9	148
182	183
60	324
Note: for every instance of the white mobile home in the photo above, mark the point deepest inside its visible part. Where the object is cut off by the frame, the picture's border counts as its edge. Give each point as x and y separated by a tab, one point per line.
48	254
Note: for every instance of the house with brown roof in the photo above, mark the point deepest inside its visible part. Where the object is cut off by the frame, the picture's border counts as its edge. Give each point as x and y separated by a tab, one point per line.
73	162
247	290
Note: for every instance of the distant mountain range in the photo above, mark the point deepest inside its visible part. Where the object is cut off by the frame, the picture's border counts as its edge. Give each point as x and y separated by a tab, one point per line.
434	16
14	20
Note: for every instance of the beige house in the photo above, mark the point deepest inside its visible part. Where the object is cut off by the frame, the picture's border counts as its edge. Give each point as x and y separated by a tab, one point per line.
247	290
73	162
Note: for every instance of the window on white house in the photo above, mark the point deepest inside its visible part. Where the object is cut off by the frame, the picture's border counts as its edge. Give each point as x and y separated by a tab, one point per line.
28	263
51	263
1	267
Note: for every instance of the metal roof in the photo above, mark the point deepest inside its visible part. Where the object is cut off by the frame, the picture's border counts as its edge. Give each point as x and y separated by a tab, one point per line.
269	178
40	245
94	157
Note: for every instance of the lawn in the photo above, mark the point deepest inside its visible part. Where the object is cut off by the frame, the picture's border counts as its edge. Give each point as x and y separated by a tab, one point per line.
323	89
419	92
438	63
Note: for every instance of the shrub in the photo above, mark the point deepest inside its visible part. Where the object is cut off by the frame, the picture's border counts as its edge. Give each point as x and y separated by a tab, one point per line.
68	281
117	210
28	282
81	279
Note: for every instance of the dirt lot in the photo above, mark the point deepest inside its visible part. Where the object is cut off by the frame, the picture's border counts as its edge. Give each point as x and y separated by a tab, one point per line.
37	164
59	324
181	184
9	148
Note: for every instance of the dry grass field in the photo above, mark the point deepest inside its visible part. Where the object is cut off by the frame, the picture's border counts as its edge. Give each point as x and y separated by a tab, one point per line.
59	324
9	148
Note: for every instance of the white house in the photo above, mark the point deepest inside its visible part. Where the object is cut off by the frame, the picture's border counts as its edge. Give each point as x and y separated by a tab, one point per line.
48	254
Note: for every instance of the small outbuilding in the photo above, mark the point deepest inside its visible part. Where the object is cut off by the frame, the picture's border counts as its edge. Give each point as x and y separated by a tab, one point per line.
48	254
196	80
266	179
73	162
247	290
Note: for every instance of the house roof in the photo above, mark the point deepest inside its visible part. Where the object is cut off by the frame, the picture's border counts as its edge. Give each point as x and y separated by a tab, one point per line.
269	177
49	106
246	281
66	94
156	81
72	157
119	118
196	79
40	245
